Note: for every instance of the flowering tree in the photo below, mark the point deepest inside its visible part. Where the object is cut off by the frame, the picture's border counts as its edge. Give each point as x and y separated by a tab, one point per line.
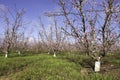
93	23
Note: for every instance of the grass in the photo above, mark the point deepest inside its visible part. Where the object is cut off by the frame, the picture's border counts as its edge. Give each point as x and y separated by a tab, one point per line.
47	67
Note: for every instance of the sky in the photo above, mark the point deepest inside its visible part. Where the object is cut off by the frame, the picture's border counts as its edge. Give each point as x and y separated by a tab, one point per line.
33	8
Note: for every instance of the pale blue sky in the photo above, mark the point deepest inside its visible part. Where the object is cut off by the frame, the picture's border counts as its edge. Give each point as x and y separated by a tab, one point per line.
33	8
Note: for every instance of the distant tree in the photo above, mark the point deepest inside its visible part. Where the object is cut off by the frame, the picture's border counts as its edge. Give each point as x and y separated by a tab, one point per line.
53	39
58	37
22	43
43	36
13	24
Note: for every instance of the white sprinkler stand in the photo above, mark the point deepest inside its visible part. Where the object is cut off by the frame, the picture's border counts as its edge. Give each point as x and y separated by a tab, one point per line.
54	55
48	53
19	52
6	55
97	65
